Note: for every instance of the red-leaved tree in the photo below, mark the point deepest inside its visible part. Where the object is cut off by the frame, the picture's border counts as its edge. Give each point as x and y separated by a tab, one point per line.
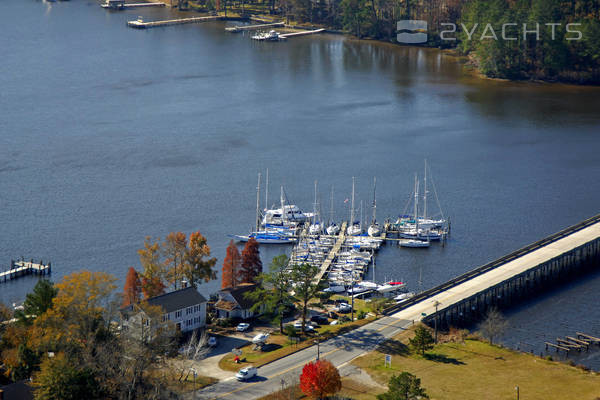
320	379
251	265
132	289
231	266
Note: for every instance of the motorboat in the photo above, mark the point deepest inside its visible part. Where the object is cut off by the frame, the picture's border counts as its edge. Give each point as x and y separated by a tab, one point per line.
272	35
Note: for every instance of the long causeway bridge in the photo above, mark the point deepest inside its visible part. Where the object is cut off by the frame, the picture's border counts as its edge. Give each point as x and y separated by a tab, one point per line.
507	280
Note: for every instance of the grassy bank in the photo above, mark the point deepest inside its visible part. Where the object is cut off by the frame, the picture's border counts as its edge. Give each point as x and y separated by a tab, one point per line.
477	370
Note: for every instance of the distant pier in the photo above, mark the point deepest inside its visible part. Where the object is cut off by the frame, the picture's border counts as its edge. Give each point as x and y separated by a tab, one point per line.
121	5
242	28
22	268
332	254
302	33
141	24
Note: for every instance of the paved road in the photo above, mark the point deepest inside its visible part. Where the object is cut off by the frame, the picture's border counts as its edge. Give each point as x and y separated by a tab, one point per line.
338	350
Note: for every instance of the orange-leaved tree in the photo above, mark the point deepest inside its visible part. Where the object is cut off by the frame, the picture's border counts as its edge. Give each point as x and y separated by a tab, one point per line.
132	289
174	249
153	274
197	266
320	379
251	265
231	265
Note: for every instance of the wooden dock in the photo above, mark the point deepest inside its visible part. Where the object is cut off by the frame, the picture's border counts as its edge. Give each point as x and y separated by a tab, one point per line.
242	28
22	268
341	238
302	33
140	24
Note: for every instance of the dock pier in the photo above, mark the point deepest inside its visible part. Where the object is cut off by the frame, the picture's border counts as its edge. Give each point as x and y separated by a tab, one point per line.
235	29
301	33
22	268
333	253
141	24
121	5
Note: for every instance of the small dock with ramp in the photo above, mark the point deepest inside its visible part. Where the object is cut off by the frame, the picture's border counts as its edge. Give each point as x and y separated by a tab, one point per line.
141	24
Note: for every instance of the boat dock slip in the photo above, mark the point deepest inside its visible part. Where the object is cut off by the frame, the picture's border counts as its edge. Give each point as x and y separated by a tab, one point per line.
303	33
140	24
333	253
252	27
121	5
22	268
508	280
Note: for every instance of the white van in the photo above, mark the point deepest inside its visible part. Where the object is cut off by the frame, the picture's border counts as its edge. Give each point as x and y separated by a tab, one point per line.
246	373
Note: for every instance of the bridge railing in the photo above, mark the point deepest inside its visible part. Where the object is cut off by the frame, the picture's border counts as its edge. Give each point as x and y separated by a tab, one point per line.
492	265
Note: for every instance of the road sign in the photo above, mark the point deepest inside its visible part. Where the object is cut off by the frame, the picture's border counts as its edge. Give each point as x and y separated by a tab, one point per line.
237	352
388	360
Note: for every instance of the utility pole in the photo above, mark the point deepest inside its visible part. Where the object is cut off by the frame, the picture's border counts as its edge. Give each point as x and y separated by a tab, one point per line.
436	304
517	389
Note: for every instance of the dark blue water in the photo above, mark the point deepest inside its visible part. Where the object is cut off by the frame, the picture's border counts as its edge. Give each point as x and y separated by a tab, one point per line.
109	134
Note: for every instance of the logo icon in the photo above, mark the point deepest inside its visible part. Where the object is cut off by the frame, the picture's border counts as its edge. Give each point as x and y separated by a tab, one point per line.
411	31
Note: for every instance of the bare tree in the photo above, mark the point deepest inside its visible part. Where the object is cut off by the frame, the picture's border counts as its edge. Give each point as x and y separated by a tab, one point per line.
494	325
194	350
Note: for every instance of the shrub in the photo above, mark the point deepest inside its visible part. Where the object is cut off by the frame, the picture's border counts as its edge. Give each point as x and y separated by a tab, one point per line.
549	358
290	331
361	314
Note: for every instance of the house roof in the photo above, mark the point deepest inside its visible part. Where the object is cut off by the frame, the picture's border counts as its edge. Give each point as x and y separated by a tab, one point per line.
174	301
18	391
226	305
238	294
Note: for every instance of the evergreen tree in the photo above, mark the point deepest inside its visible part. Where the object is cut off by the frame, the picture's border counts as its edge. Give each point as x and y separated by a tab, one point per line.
405	386
38	301
422	341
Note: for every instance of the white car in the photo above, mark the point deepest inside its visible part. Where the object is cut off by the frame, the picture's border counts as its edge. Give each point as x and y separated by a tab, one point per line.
307	327
243	327
246	373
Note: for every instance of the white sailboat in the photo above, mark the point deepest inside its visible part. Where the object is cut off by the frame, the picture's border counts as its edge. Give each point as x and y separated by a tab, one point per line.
411	234
353	227
374	228
332	227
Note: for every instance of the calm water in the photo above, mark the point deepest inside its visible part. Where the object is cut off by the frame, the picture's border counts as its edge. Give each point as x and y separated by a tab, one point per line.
108	134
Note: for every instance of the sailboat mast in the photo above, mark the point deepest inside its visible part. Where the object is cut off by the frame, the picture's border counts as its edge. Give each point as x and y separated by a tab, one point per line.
315	205
374	199
352	205
416	203
258	204
283	214
331	206
425	193
267	190
361	215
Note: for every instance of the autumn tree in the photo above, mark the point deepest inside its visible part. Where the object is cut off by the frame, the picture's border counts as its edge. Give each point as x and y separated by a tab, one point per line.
251	265
273	291
174	248
60	379
306	286
132	289
198	265
231	266
405	386
153	269
320	379
422	341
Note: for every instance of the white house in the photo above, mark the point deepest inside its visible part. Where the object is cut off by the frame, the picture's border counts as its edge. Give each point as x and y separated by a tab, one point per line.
185	309
234	304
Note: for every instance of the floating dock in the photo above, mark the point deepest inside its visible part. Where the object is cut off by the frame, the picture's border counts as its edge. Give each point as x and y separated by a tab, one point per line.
22	268
140	24
242	28
333	253
121	5
302	33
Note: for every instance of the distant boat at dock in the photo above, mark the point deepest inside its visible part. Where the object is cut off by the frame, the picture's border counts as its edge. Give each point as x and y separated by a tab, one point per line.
271	36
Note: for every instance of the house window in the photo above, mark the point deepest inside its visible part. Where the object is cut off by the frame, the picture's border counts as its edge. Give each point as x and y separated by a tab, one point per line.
178	314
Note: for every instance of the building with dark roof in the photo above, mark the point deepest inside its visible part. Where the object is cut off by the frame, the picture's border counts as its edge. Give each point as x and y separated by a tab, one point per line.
233	303
184	308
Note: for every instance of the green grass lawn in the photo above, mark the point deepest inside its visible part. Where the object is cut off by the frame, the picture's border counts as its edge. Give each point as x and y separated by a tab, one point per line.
476	370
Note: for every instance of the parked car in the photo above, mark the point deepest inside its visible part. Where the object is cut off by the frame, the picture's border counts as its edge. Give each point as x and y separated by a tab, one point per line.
246	373
343	308
243	327
307	327
212	341
319	319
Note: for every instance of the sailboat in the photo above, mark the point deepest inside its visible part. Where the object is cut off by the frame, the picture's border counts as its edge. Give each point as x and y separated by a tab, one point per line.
411	234
332	227
315	228
286	215
374	228
431	229
354	227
